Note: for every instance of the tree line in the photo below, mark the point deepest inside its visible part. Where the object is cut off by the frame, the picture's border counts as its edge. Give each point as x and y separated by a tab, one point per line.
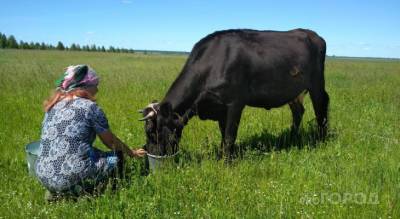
11	43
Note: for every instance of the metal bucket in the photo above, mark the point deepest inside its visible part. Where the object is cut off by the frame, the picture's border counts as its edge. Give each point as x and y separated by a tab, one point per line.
157	162
32	152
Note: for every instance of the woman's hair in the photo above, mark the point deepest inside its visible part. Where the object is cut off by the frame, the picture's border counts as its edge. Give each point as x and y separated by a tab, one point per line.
60	95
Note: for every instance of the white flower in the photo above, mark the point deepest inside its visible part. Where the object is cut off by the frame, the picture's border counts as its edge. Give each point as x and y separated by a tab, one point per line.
56	118
79	166
45	168
66	169
51	133
68	114
73	164
58	148
73	130
59	182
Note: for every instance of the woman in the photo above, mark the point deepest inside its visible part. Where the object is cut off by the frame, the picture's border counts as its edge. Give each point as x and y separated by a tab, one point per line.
68	163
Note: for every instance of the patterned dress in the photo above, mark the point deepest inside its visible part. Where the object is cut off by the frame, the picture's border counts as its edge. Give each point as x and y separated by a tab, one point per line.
68	160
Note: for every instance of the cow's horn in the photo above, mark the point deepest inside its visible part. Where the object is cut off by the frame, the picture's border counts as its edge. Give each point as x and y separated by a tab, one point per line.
148	116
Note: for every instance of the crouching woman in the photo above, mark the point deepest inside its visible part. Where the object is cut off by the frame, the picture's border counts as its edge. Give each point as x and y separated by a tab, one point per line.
68	162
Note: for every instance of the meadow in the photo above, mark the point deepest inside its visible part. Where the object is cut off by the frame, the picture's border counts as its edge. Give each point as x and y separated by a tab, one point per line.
355	173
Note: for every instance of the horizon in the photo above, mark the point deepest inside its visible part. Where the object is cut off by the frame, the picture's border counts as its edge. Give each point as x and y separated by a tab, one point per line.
355	29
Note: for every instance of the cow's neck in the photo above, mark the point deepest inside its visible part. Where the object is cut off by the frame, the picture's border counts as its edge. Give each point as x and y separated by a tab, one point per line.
183	92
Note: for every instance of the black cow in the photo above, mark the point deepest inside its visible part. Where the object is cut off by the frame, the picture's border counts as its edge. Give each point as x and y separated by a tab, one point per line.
230	69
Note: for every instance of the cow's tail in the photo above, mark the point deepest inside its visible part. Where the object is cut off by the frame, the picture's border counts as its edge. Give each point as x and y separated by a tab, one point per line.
318	94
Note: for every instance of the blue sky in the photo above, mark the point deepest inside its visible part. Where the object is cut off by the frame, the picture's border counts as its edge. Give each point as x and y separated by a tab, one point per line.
367	28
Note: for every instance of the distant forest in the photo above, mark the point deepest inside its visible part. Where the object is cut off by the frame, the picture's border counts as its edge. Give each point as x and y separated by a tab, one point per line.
11	43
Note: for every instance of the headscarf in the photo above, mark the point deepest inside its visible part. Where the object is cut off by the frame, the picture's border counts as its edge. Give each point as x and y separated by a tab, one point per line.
77	76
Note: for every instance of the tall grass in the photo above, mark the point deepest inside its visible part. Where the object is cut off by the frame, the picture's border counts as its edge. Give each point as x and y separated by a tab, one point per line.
355	173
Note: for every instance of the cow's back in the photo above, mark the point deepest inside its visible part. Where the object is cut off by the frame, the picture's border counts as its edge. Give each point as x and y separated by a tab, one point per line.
261	68
264	68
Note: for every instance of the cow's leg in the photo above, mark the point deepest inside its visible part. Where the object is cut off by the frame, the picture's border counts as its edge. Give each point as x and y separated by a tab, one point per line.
222	126
297	108
320	101
234	112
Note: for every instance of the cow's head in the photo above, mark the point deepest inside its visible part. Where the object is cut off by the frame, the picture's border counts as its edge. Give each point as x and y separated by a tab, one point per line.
163	128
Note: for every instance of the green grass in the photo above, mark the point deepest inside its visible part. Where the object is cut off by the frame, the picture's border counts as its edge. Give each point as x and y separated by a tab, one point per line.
354	174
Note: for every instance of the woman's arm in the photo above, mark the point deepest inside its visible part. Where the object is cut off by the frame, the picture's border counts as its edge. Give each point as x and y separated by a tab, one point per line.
114	143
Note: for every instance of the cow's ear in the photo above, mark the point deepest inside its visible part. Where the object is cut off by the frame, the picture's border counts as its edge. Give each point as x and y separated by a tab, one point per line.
166	109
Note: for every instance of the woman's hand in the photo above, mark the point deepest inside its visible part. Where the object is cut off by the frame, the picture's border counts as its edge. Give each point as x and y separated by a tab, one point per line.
137	153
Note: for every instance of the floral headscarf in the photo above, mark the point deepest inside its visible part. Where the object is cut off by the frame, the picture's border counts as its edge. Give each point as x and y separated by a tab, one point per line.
77	76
